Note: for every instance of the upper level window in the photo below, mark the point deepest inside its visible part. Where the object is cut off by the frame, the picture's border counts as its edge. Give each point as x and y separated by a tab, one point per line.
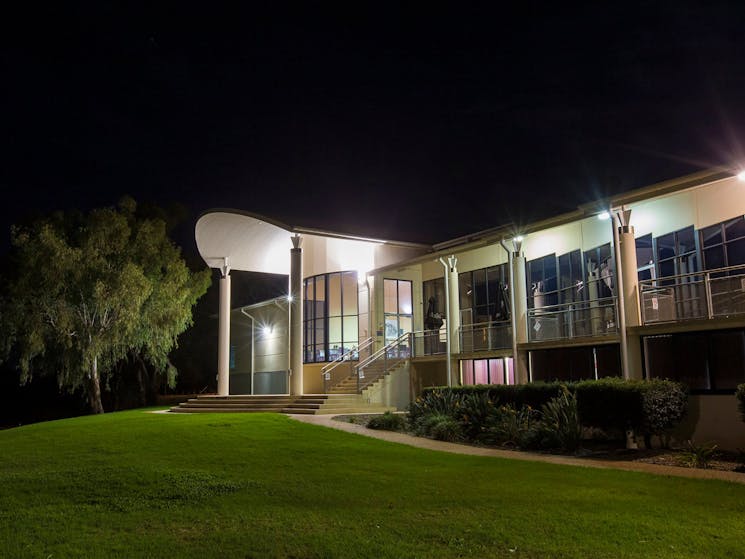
571	280
723	244
676	253
600	271
645	257
542	282
484	294
331	316
397	308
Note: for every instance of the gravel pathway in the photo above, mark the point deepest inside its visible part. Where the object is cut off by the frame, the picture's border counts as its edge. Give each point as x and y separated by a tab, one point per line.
419	442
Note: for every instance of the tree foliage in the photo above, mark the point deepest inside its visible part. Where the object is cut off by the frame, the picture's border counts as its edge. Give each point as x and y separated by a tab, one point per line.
86	290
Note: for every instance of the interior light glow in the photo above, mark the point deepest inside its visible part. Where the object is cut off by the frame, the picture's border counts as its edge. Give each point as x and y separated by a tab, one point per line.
290	298
266	330
603	216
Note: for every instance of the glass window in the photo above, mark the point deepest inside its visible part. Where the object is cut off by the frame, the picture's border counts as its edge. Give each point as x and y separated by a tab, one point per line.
676	253
734	229
703	361
487	371
331	316
398	310
484	294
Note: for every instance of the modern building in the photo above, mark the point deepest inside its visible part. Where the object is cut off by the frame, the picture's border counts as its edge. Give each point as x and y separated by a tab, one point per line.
646	284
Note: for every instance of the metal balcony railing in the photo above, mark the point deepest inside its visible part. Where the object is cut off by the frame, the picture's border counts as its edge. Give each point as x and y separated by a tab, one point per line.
577	319
385	359
429	342
344	365
485	336
695	296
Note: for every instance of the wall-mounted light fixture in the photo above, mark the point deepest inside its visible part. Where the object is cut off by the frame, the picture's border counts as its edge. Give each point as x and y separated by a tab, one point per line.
602	216
267	330
517	244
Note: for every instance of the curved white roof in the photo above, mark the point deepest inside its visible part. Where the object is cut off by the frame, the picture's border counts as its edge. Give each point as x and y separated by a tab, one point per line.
258	244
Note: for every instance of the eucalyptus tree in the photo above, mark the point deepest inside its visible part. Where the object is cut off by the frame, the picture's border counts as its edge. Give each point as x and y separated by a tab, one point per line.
86	290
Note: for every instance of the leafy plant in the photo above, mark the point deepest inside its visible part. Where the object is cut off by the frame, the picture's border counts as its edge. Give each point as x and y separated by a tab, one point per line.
476	412
560	426
698	456
664	404
512	426
440	426
387	422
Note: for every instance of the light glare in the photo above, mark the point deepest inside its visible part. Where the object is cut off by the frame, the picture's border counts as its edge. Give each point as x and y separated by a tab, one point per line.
741	176
603	216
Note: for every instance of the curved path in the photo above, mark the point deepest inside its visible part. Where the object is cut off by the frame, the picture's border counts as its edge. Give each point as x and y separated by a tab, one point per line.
327	421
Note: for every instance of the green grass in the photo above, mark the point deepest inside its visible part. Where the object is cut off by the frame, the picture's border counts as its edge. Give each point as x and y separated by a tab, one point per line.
134	484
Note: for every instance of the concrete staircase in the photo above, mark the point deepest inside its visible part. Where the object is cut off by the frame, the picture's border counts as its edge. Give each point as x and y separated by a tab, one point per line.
308	404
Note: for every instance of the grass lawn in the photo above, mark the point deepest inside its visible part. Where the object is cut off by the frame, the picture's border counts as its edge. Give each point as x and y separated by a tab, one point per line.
134	484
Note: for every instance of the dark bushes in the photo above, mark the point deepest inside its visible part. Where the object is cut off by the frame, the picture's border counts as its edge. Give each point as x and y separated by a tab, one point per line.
387	422
507	414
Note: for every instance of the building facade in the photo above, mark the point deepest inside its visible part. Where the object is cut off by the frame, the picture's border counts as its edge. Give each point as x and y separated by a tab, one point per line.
647	284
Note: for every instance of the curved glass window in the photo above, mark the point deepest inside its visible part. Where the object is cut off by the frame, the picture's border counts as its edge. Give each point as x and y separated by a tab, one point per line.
331	316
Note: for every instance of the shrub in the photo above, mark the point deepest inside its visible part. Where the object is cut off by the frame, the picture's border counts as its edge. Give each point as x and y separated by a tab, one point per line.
476	412
434	401
611	404
740	394
664	403
440	426
512	426
560	426
387	422
698	456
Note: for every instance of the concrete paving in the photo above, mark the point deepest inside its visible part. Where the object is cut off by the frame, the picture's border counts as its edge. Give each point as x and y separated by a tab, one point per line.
420	442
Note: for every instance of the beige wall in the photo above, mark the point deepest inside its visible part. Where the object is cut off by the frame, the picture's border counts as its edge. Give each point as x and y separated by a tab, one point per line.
392	390
583	234
713	419
700	207
324	254
312	381
427	373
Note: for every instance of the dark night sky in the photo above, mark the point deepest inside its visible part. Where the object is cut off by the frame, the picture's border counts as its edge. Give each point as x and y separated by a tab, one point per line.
416	124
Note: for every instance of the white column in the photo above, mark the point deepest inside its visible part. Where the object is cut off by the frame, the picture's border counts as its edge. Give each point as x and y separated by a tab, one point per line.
520	311
296	317
628	299
453	315
223	337
630	276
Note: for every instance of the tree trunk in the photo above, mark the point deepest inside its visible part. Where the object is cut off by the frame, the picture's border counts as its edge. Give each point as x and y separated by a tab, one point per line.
94	389
141	374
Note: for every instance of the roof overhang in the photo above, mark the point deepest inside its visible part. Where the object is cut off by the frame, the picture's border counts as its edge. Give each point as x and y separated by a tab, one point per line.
236	240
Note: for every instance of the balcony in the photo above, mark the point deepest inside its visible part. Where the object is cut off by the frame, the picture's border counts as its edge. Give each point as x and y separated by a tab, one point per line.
485	336
696	296
577	319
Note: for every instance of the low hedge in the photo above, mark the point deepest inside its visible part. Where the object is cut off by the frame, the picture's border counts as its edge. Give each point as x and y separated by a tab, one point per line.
611	404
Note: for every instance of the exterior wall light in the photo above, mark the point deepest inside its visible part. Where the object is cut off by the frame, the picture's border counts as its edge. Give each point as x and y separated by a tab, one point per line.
290	298
741	176
603	216
266	330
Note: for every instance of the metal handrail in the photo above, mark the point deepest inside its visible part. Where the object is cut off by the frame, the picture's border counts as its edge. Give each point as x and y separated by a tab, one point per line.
656	283
347	357
493	328
328	367
705	294
382	352
574	319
